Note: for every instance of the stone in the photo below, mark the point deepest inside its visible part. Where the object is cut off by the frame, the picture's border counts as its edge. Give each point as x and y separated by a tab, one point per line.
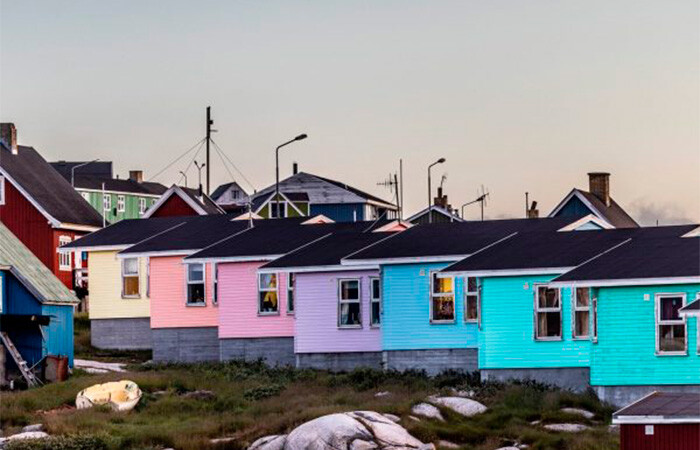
462	393
222	440
392	417
427	410
426	447
35	427
382	394
199	395
359	444
447	444
509	448
27	435
578	412
386	433
331	431
274	442
414	418
463	406
567	427
109	367
535	422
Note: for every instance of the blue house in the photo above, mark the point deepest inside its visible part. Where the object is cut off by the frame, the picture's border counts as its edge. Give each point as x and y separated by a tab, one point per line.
36	309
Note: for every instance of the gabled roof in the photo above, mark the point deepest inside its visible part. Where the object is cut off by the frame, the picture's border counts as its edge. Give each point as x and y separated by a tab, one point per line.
119	185
125	233
437	210
221	190
47	190
202	205
289	197
32	273
613	214
661	407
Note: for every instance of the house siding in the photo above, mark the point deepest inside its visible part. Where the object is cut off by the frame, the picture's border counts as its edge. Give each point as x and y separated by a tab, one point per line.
131	210
173	207
341	212
574	208
105	280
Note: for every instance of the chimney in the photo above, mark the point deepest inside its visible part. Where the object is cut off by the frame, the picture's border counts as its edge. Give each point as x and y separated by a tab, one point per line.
599	185
136	175
532	211
295	169
8	136
440	200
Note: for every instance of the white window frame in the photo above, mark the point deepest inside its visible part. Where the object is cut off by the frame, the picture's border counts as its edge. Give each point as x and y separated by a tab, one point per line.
215	284
188	282
342	302
467	294
594	317
86	196
261	290
148	277
580	309
106	202
138	278
373	300
538	310
431	295
281	203
64	258
121	203
291	289
2	190
658	322
143	207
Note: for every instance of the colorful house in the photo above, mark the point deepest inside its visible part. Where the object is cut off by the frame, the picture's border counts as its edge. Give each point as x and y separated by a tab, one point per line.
42	209
183	301
120	307
36	309
337	309
183	201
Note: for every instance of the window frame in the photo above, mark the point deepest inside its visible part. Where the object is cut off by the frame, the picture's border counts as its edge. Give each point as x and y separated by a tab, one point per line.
148	276
121	203
215	284
86	196
576	309
281	204
373	300
2	189
658	322
106	202
138	278
341	302
466	294
276	290
65	263
188	282
594	318
537	310
291	291
431	295
143	206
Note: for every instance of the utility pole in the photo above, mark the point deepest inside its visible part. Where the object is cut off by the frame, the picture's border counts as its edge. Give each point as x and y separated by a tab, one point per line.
209	124
401	187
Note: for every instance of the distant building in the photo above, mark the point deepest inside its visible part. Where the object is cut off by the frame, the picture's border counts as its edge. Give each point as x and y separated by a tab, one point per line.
183	201
116	199
230	194
439	212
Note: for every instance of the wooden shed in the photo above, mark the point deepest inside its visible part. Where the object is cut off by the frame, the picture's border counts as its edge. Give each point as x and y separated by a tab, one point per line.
661	421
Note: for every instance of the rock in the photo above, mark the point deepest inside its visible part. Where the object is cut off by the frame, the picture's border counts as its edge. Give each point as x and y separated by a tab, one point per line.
461	393
509	448
382	394
567	427
427	410
333	430
94	370
222	440
447	444
578	412
359	444
614	428
27	435
392	417
274	442
463	406
35	427
535	422
199	395
386	433
87	364
414	418
426	447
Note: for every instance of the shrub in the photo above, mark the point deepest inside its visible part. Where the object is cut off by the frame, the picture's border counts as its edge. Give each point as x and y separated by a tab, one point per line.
67	442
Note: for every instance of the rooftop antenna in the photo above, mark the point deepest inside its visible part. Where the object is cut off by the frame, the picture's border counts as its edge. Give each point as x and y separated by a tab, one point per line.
392	183
481	198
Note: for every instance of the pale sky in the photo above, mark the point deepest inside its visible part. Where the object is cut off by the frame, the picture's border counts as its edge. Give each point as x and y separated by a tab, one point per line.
517	95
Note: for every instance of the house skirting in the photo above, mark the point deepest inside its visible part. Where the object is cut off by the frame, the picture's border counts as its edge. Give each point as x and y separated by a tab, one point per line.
186	344
275	351
432	361
624	395
575	379
339	362
121	334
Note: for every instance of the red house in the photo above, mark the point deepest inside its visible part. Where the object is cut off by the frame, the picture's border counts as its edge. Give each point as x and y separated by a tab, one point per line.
182	201
41	208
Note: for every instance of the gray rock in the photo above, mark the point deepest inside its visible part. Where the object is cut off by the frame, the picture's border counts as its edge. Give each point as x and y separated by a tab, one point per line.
359	444
26	435
462	393
579	412
331	431
509	448
447	444
427	447
463	406
382	394
427	410
222	440
414	418
386	433
199	395
392	417
275	442
567	427
35	427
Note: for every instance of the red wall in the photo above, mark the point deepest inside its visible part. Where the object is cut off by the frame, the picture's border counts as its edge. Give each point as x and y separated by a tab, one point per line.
665	437
174	206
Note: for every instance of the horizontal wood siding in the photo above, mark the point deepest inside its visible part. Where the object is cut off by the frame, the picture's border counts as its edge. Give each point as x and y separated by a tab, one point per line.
406	320
317	315
684	436
59	333
173	207
626	350
507	337
105	280
169	301
238	304
344	212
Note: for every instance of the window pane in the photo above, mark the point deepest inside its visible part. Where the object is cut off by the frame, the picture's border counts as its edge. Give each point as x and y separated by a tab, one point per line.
472	307
548	298
376	293
268	301
268	281
350	290
443	308
672	338
471	284
131	286
548	324
290	300
442	285
582	297
670	307
375	313
195	272
350	313
581	323
131	266
195	293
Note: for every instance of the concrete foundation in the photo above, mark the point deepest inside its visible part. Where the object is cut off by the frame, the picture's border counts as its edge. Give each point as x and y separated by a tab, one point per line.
275	351
621	396
575	379
121	334
432	361
185	344
339	362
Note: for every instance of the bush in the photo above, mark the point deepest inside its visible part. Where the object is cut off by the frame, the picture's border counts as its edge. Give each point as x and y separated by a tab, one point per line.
262	392
67	442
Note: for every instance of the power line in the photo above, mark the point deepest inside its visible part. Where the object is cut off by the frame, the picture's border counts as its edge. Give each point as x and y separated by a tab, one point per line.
177	159
233	165
191	162
223	161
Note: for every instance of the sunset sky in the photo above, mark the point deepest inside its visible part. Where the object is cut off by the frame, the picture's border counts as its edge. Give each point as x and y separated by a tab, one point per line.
516	95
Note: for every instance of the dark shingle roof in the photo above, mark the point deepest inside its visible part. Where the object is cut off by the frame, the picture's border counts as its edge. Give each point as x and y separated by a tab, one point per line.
47	187
614	213
127	232
666	405
119	185
692	307
356	191
204	200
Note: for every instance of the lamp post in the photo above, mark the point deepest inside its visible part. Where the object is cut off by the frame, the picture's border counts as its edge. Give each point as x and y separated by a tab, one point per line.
72	170
277	170
199	170
430	192
184	175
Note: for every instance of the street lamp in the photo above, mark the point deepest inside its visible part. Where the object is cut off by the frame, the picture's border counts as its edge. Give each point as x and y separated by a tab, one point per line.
199	170
277	170
430	192
72	170
184	175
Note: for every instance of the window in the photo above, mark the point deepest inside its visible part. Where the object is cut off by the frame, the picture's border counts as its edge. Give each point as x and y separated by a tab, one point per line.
291	283
442	299
274	207
471	299
142	206
64	262
130	278
349	314
582	313
106	202
595	319
235	194
148	277
86	196
195	284
670	326
547	313
121	203
215	282
2	190
267	294
375	302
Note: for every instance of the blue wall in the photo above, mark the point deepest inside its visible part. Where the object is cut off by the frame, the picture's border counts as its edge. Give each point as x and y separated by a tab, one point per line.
344	212
574	208
406	311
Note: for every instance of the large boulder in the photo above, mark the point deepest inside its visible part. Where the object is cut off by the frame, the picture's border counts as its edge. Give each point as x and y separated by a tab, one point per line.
567	427
427	410
460	405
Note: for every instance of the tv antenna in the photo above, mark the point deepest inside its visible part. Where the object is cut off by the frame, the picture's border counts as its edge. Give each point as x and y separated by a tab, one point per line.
392	183
482	197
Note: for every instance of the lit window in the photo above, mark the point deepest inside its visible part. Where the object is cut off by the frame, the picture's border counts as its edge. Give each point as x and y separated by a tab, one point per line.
349	315
215	281
106	202
195	284
267	293
121	203
64	259
582	313
471	299
130	278
2	190
142	206
548	313
291	284
281	207
442	298
375	302
670	326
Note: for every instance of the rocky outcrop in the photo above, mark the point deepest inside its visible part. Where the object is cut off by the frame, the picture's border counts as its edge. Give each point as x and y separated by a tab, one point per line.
427	410
460	405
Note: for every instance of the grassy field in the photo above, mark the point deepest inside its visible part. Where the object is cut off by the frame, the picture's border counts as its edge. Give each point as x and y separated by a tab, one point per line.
250	400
